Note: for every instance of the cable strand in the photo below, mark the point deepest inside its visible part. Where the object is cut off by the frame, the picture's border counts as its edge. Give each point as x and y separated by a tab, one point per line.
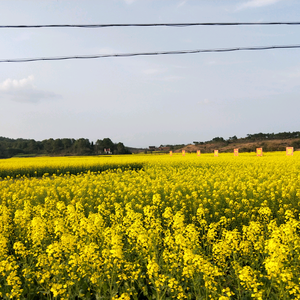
149	25
151	53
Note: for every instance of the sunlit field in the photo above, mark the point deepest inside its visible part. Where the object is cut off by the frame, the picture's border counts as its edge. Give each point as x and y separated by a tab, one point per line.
150	227
39	166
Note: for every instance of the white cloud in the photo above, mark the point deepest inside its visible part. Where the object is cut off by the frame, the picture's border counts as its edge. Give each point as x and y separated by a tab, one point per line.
257	3
23	90
10	84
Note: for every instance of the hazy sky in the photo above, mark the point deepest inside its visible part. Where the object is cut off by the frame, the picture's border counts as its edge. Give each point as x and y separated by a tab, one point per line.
144	101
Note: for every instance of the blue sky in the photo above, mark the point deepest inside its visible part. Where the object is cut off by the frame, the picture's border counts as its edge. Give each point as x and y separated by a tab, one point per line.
144	101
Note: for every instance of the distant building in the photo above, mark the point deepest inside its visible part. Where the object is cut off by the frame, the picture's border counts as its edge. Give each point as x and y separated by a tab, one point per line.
107	151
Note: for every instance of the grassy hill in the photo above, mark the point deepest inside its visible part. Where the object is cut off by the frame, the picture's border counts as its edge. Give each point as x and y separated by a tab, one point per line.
243	146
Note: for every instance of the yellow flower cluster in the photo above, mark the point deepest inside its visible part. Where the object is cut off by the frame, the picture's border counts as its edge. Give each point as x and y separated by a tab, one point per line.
176	228
39	166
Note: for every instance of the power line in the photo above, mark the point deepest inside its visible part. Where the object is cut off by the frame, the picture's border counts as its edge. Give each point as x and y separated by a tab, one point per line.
150	25
151	53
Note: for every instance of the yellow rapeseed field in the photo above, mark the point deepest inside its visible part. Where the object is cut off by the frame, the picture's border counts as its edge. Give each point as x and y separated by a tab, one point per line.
150	227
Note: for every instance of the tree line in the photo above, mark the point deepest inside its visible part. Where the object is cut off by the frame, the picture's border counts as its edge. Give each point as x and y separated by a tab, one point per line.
66	146
273	136
255	137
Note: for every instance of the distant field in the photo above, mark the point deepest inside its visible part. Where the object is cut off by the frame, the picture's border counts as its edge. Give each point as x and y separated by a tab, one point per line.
150	227
38	166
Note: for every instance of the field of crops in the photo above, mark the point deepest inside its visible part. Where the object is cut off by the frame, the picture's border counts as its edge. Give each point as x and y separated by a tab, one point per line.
151	227
38	166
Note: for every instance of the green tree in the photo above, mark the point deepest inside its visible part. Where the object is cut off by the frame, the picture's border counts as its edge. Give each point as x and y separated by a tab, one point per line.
57	146
82	146
218	139
48	146
67	145
121	149
106	143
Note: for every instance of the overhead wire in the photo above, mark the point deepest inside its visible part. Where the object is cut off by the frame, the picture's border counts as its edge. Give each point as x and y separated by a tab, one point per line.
18	60
149	53
149	25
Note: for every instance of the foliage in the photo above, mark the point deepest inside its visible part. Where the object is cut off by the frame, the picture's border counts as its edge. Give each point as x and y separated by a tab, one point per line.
255	137
11	147
39	166
180	228
272	136
296	144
